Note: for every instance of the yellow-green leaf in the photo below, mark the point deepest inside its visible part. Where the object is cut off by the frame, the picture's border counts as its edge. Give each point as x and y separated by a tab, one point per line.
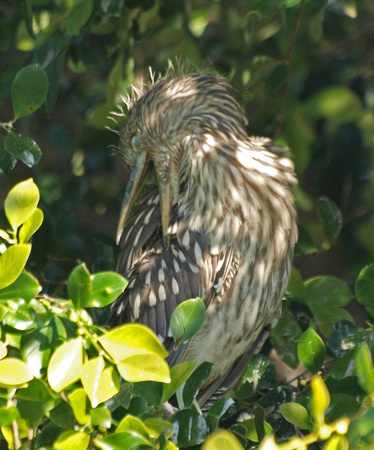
13	372
31	225
145	367
12	262
3	350
320	400
99	383
72	440
156	426
21	202
78	400
131	423
132	339
222	440
65	365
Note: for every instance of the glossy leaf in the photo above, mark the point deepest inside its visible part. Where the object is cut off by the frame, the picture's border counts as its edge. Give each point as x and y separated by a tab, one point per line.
156	426
36	349
187	319
99	383
129	440
80	286
311	351
69	440
296	287
31	225
320	400
199	375
78	17
365	288
250	425
79	402
222	440
178	375
12	262
337	442
131	423
3	350
295	414
22	318
25	287
216	411
7	162
23	148
131	339
65	365
330	216
144	367
190	426
13	372
106	287
101	417
21	202
29	90
365	369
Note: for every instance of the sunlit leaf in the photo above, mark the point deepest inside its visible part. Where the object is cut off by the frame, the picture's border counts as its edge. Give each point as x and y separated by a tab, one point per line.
222	440
178	374
65	365
29	90
12	262
144	367
13	371
187	319
78	400
320	400
129	440
99	383
25	287
101	417
31	225
295	414
21	202
365	369
131	423
80	286
131	339
3	350
156	426
72	440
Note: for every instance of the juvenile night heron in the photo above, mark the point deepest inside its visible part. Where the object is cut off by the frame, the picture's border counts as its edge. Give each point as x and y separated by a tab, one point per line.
217	222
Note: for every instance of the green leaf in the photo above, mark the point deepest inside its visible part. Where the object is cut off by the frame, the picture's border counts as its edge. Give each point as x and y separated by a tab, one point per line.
3	350
29	90
296	288
190	426
22	318
131	339
156	426
320	400
21	202
28	17
250	425
330	216
187	319
106	287
79	403
222	440
364	368
78	17
8	414
65	365
80	286
101	417
13	372
25	287
336	442
337	103
217	410
7	162
72	440
131	423
311	350
144	367
114	80
36	349
12	262
365	288
31	225
23	148
295	414
178	375
99	383
194	382
129	440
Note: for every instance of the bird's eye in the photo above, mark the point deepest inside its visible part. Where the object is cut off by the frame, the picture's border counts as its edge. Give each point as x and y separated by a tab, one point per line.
135	143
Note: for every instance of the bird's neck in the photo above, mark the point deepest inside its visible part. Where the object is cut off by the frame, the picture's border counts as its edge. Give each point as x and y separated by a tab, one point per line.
240	197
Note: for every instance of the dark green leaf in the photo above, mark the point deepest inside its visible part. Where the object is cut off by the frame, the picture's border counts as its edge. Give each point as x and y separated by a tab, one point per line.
194	382
342	405
62	415
123	398
330	216
23	148
28	17
191	427
29	90
217	411
78	17
365	288
80	286
187	319
8	414
311	351
7	162
53	71
151	391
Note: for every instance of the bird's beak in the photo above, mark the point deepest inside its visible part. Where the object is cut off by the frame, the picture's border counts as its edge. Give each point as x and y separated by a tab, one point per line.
138	177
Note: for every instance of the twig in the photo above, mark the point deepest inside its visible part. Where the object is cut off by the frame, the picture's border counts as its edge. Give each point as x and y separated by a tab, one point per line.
287	62
16	438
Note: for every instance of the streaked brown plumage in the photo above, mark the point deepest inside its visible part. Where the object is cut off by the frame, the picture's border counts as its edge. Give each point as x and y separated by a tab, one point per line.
225	230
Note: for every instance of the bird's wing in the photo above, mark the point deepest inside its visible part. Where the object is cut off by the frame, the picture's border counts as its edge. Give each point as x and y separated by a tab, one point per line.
161	279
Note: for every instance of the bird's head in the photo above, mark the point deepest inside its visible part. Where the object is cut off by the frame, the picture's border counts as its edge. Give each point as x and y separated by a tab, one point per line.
163	128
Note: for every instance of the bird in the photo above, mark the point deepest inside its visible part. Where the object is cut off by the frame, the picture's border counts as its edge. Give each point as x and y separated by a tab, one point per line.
208	212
